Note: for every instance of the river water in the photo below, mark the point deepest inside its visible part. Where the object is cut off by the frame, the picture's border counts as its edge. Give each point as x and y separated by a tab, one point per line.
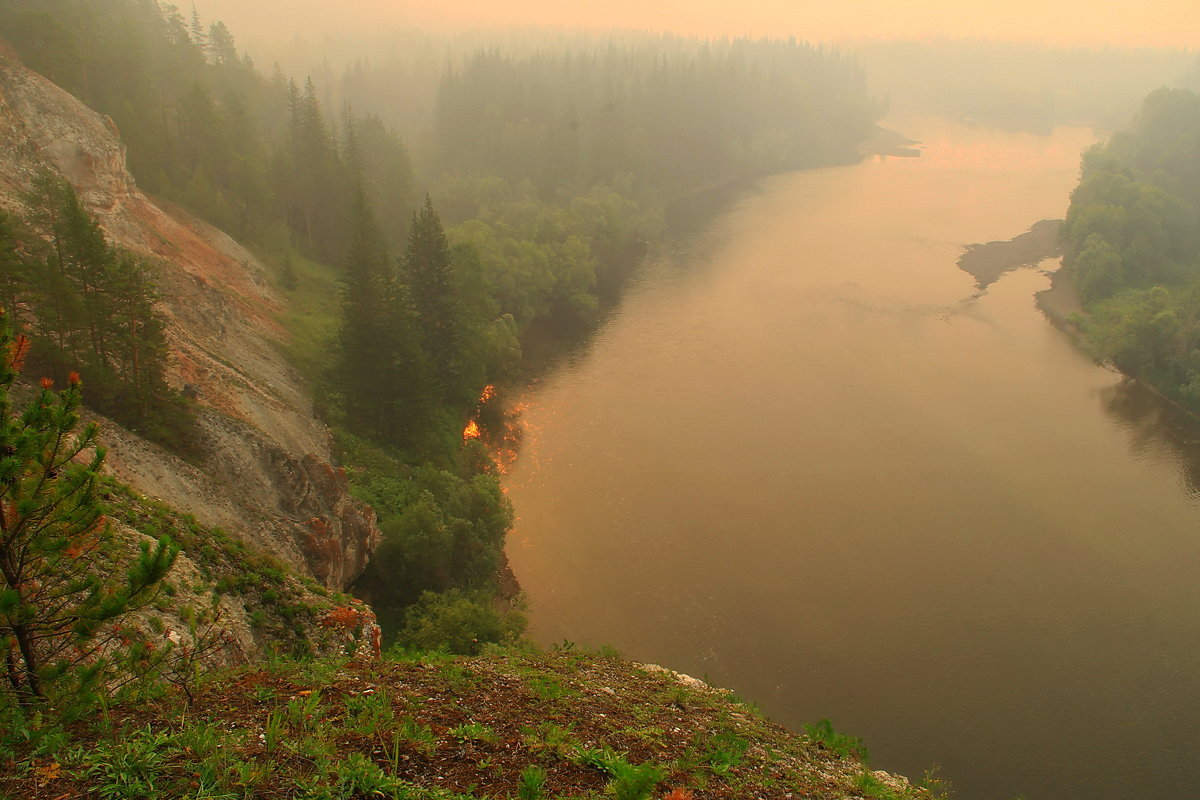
803	461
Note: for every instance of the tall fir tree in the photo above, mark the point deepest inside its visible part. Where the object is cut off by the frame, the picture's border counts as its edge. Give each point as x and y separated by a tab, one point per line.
429	272
384	373
319	192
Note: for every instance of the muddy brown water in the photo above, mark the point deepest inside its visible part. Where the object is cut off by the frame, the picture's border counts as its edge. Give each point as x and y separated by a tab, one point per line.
803	461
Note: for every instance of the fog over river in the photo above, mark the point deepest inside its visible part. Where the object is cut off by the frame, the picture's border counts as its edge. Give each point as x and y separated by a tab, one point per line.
803	461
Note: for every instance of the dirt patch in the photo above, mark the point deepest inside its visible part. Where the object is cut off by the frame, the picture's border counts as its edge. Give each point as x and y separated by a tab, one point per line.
987	262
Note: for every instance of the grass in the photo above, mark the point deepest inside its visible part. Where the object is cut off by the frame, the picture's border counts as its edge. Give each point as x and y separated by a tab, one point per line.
312	316
432	728
823	734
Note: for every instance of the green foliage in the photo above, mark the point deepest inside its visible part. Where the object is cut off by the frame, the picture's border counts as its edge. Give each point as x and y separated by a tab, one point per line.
458	622
66	584
549	262
532	784
822	733
441	531
472	732
382	369
1132	219
128	768
304	713
91	309
629	782
430	275
601	758
370	714
420	737
358	776
364	725
272	731
726	750
870	786
1132	243
546	687
552	741
632	782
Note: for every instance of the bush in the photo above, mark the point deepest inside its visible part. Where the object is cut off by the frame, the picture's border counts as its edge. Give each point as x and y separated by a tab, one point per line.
459	623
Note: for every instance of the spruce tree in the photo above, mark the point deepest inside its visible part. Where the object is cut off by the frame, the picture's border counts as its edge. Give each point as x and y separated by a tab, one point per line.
429	273
384	372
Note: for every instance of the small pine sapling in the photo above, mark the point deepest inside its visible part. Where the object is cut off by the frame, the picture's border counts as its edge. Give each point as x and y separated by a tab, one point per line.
63	585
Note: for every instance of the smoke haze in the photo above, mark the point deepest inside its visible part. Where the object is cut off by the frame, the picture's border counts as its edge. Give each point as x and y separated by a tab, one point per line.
1075	22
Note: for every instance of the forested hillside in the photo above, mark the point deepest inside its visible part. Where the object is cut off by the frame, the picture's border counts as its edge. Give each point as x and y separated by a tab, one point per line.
1132	239
417	273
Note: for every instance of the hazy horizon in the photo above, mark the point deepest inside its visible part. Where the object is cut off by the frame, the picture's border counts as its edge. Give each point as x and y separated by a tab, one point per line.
1162	23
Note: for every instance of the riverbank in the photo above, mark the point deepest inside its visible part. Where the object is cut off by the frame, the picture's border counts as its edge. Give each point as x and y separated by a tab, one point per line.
887	142
1063	308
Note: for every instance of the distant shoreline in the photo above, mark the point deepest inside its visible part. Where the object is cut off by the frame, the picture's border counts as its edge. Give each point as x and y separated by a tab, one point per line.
886	142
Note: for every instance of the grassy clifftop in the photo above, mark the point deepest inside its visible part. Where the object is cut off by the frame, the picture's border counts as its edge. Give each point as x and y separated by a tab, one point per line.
509	724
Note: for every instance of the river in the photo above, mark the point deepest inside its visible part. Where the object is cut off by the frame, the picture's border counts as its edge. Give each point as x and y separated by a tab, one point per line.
804	461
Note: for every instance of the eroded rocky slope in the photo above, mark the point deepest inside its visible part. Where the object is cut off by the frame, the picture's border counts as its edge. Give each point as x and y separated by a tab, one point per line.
265	476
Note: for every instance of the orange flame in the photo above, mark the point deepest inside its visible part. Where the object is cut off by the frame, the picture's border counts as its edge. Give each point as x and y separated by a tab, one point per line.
472	431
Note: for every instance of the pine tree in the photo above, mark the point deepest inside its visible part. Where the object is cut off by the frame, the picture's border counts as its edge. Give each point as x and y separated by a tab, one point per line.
94	305
62	590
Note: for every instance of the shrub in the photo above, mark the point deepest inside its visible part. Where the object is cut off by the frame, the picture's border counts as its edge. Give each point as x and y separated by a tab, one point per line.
458	622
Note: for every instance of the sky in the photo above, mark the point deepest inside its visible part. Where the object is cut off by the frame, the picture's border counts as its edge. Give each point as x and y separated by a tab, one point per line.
1071	22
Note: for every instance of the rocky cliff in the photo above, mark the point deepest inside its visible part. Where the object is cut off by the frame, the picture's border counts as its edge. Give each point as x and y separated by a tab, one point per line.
265	476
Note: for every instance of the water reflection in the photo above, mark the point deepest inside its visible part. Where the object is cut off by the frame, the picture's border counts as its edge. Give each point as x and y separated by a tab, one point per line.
1156	429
